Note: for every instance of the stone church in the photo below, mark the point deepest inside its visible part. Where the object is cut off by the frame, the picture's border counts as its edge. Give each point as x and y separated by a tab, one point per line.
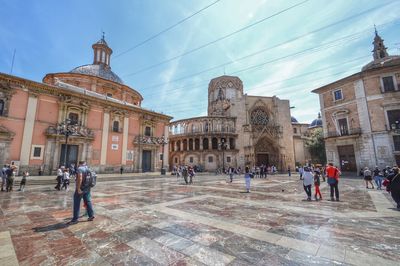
239	130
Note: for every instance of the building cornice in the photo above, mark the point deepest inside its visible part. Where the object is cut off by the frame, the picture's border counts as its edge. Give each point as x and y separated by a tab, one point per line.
40	88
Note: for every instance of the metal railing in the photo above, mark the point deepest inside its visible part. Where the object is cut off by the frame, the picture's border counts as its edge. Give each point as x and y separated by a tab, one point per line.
346	132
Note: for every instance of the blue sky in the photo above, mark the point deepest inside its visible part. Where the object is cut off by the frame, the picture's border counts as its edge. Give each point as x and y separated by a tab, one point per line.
56	36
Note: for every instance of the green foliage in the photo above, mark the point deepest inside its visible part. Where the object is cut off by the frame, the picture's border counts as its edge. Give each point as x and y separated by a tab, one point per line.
316	146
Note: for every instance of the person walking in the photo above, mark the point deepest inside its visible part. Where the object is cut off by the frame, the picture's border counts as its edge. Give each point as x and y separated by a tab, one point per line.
22	184
82	190
317	183
378	178
65	179
394	185
333	180
308	179
10	178
231	172
368	177
301	171
289	172
247	177
121	170
60	173
191	174
185	174
3	178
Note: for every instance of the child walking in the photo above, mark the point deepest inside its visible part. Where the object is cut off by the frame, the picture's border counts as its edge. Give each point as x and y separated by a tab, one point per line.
317	183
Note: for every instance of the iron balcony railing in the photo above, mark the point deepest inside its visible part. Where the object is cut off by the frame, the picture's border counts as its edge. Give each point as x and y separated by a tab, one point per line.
344	132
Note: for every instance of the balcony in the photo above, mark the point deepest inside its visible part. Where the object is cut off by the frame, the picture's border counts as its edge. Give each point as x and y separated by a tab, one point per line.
79	132
342	133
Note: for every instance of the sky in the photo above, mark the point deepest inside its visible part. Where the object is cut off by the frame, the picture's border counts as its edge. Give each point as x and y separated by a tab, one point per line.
169	50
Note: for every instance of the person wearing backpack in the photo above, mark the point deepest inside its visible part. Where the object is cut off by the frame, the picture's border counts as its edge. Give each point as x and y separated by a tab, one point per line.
82	190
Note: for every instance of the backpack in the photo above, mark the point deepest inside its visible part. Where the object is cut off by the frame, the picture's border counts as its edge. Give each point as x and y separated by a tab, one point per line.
89	178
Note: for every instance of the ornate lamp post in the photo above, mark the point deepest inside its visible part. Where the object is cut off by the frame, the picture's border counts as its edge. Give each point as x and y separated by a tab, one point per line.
223	147
163	141
67	129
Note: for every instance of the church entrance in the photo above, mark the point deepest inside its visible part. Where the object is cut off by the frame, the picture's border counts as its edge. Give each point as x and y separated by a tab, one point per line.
266	152
72	155
146	161
262	158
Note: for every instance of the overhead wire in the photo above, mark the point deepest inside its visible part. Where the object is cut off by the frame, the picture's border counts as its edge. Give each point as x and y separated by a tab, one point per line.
294	77
214	41
253	24
165	30
267	49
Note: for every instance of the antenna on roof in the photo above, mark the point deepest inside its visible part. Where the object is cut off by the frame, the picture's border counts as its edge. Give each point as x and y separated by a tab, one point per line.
12	61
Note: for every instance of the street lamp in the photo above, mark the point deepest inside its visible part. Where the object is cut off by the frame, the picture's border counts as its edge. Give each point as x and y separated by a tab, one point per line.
163	141
223	147
66	128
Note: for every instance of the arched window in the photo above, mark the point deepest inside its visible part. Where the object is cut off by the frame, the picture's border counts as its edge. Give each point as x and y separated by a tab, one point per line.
205	144
259	117
190	144
74	118
178	145
185	145
215	144
232	143
115	126
1	107
197	144
147	131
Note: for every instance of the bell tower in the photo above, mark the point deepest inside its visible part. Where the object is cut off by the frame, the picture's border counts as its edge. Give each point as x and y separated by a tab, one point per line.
379	47
101	52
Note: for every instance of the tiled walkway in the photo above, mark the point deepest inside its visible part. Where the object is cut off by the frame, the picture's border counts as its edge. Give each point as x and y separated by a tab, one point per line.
161	221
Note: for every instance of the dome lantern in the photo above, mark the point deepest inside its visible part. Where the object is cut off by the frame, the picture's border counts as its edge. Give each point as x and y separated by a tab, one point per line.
101	52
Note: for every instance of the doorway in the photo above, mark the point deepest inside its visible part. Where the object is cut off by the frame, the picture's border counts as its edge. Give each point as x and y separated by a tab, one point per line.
146	161
72	155
347	158
262	158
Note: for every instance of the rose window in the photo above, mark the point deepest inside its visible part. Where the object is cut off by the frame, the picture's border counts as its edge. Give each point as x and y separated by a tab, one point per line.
259	117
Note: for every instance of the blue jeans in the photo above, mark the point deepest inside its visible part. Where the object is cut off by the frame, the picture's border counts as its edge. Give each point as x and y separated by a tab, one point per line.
77	204
378	181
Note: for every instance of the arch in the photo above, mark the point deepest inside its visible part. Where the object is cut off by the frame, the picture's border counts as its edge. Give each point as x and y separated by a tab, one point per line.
115	127
178	145
190	144
214	143
197	144
205	144
185	145
1	107
259	117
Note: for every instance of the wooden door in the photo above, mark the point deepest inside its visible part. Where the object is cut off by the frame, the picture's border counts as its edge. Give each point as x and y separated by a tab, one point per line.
347	158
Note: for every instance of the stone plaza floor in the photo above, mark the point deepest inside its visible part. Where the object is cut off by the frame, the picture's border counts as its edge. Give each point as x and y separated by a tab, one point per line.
161	221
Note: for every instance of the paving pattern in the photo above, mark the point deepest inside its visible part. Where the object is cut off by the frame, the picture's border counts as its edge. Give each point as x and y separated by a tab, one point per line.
161	221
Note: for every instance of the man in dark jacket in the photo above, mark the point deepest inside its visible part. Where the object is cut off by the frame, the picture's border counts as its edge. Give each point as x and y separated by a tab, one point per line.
394	179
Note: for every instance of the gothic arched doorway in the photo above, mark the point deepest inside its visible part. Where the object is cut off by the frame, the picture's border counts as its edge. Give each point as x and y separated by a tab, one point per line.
266	152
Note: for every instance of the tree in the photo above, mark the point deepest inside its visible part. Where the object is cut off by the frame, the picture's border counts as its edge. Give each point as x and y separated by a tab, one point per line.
316	146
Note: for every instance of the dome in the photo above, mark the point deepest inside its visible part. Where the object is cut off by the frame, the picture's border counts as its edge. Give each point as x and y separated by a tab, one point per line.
294	120
98	70
382	62
316	122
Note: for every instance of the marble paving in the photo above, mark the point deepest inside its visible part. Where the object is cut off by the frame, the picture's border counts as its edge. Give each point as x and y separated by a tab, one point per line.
161	221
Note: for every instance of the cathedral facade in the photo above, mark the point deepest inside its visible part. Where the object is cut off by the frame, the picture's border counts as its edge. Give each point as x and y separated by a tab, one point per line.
239	130
86	114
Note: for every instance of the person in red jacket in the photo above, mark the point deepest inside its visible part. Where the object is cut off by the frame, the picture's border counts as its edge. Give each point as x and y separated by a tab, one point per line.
333	180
